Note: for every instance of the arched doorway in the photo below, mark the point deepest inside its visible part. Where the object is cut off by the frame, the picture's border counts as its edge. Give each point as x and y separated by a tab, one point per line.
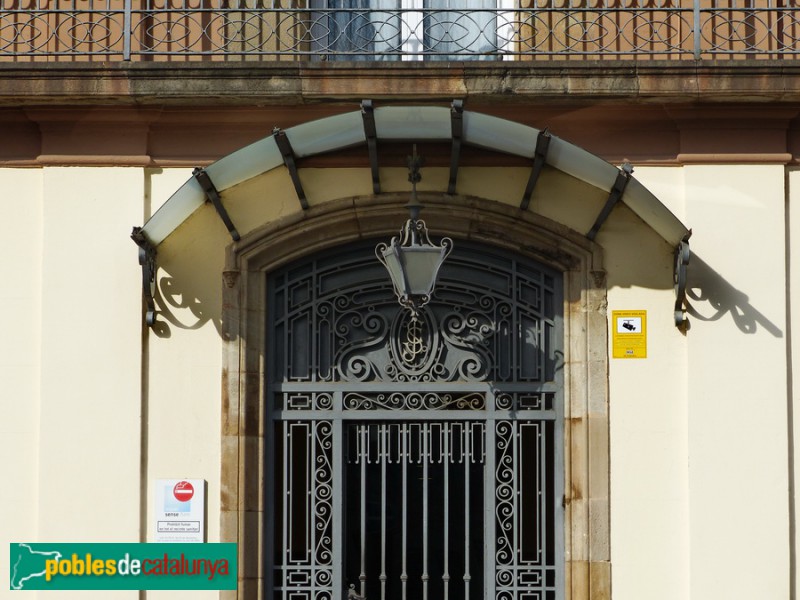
487	232
415	458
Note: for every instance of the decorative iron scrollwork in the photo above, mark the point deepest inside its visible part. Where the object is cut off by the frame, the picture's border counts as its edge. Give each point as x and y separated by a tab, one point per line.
147	260
488	321
415	347
414	401
682	256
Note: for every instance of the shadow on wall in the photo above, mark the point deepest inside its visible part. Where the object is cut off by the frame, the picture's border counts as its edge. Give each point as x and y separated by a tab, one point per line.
709	297
191	297
177	306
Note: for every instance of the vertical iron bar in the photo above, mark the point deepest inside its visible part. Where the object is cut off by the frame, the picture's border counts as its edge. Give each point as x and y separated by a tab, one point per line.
362	577
287	507
558	482
269	493
446	453
311	497
406	458
541	538
126	31
489	522
384	458
516	520
337	510
467	461
697	32
426	431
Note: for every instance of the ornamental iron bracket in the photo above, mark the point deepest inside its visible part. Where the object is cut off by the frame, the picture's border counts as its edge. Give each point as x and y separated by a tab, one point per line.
682	256
539	158
614	196
287	152
212	195
147	259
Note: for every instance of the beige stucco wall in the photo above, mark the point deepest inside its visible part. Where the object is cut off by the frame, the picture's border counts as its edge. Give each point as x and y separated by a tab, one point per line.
698	430
649	487
737	383
793	209
20	299
72	375
183	356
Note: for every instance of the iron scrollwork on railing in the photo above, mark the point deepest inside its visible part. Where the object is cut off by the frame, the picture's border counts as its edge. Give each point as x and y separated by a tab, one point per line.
135	30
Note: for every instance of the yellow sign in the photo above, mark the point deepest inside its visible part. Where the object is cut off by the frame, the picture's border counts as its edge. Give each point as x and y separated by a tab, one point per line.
629	333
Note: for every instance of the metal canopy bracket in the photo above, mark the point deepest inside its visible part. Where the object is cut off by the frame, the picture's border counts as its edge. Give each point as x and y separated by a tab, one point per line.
614	196
457	129
539	158
147	259
368	115
285	148
213	196
682	256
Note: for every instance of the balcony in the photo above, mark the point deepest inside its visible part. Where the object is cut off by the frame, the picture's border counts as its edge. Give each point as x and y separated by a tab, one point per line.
394	30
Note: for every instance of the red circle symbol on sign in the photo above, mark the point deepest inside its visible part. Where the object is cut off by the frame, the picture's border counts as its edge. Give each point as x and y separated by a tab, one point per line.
183	491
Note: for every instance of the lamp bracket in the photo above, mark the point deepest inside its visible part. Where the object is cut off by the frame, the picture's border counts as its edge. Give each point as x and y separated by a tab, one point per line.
415	162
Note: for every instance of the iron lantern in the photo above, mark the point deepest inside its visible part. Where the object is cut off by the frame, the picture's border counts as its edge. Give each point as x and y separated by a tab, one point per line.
412	260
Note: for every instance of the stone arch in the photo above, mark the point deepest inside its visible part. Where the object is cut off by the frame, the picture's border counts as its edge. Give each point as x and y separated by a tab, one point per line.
324	227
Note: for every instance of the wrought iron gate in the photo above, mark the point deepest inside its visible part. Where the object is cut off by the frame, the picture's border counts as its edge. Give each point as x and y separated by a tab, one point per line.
415	459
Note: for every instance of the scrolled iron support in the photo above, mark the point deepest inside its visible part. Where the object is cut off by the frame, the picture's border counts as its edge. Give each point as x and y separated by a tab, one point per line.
682	256
147	260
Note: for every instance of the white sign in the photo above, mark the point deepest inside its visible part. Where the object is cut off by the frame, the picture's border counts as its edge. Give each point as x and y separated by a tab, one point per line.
180	510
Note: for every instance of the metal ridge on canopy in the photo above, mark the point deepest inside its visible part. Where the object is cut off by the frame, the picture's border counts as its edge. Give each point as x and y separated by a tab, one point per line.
412	124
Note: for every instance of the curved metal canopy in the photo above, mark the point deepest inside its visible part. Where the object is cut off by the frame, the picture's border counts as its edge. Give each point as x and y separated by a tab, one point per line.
411	124
408	123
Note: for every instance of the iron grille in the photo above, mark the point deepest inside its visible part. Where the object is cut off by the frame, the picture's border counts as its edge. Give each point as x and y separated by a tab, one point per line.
415	458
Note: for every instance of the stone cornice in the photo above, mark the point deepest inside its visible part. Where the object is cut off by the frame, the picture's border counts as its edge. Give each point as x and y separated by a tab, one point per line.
286	83
189	114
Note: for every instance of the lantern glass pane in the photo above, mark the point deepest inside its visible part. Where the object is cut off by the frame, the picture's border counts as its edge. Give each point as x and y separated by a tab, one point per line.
422	266
395	267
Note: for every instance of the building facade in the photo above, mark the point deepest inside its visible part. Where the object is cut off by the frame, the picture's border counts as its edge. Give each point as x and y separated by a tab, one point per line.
585	408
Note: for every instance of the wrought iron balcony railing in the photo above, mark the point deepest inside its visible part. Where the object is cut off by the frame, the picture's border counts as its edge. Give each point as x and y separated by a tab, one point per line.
377	30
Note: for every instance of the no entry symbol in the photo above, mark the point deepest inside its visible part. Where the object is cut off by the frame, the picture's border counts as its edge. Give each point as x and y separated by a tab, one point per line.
183	491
